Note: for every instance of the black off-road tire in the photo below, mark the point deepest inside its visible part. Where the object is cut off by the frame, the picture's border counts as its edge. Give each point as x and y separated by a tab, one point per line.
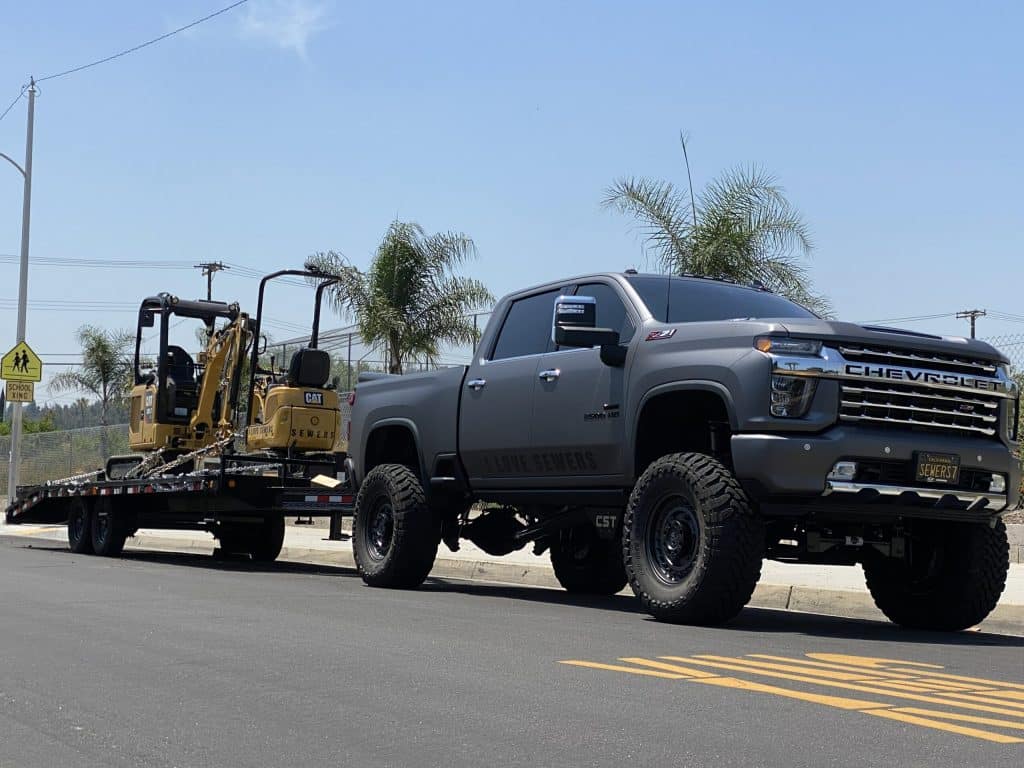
109	529
586	564
80	527
395	533
692	541
951	580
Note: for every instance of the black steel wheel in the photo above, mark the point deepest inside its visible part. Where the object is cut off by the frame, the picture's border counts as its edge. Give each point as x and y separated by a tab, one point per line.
673	539
692	542
109	529
380	529
395	533
79	531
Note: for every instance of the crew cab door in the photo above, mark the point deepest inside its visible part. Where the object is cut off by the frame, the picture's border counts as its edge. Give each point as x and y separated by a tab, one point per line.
497	397
578	426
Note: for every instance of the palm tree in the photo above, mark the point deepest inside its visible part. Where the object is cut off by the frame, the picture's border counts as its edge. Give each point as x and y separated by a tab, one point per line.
740	227
411	301
107	370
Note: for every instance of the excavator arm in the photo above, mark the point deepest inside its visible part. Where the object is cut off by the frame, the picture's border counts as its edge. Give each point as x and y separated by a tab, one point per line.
225	356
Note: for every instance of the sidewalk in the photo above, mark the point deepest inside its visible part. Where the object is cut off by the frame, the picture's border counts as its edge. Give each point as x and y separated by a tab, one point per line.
834	590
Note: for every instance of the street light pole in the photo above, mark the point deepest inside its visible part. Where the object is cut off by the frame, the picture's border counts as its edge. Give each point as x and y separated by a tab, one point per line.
26	208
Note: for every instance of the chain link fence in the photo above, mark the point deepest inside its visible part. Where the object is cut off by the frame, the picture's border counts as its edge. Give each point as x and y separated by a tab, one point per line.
52	455
1011	345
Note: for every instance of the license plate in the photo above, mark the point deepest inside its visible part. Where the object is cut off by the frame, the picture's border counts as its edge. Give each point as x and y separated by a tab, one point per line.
942	468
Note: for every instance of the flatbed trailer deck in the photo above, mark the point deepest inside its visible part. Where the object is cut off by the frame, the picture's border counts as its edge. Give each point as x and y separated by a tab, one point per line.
242	490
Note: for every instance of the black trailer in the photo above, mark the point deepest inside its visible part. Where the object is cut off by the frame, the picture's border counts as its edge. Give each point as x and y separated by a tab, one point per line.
243	502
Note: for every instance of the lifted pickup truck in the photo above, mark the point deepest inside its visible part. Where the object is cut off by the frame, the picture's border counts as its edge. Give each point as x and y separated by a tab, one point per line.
671	432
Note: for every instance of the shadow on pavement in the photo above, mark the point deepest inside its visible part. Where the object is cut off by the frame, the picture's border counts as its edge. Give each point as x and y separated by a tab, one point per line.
749	620
195	560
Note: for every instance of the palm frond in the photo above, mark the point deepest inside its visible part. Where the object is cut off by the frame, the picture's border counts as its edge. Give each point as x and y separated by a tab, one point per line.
663	218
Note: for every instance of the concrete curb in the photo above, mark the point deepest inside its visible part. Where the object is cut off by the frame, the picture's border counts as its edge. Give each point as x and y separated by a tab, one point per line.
849	604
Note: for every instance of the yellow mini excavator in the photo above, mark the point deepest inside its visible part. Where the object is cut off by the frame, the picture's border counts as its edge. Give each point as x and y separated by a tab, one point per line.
183	404
295	411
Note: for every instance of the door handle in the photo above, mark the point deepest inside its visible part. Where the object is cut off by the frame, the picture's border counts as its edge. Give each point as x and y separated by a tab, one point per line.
476	384
549	375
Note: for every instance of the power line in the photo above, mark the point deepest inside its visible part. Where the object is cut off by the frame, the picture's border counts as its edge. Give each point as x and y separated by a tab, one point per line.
16	99
912	319
60	261
133	49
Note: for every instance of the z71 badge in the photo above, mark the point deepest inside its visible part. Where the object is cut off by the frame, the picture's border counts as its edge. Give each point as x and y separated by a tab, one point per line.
314	398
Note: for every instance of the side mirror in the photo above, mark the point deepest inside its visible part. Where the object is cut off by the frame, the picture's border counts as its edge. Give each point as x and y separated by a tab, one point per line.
574	324
147	319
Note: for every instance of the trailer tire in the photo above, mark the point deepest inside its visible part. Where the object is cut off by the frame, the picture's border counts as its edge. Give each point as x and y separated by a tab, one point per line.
692	542
267	542
586	564
952	580
395	533
80	527
109	530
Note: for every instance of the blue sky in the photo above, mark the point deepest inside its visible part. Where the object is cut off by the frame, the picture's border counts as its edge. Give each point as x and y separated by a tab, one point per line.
290	126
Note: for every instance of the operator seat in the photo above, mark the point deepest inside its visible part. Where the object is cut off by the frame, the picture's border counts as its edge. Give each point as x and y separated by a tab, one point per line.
182	389
309	368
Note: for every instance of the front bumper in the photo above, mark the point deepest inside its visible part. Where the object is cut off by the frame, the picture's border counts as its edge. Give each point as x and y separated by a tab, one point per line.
774	467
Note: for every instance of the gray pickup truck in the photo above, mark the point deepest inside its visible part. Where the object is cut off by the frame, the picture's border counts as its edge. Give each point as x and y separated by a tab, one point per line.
672	432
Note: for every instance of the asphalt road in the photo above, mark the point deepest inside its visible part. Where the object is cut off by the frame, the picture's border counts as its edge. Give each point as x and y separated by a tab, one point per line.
180	660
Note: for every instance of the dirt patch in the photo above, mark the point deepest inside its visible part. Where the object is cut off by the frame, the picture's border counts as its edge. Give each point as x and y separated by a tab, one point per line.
1014	517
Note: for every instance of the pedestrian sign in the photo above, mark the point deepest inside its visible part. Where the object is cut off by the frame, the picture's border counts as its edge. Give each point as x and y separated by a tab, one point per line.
20	391
21	364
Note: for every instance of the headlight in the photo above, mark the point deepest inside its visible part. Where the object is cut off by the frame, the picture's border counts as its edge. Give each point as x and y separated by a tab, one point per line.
792	395
787	346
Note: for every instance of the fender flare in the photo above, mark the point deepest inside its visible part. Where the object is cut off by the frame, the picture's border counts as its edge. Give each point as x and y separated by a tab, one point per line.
690	385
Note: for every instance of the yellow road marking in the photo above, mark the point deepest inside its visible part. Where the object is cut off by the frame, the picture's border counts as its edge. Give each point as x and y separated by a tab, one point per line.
847	686
824	674
1008	694
840	667
674	668
856	673
913	677
1015	724
999	738
617	668
978	680
869	661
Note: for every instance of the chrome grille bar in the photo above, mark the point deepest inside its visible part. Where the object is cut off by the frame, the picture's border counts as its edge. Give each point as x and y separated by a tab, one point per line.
938	362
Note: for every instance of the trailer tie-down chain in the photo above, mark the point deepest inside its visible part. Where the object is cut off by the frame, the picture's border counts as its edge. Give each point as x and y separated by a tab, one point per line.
151	466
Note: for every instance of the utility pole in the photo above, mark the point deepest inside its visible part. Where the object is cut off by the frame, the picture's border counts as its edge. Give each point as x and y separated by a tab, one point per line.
972	315
209	268
26	208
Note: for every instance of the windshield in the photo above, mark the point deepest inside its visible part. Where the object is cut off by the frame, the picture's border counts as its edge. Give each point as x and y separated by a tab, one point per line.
691	300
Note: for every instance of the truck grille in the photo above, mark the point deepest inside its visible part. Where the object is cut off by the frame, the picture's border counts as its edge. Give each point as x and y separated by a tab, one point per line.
907	405
928	360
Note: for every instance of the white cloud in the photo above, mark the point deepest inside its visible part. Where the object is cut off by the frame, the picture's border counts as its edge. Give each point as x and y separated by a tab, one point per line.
286	24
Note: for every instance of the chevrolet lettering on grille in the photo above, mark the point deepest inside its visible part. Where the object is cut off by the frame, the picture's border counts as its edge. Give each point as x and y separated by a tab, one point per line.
917	376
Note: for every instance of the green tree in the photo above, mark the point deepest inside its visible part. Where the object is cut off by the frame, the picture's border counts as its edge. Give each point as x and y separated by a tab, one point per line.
410	300
106	372
740	227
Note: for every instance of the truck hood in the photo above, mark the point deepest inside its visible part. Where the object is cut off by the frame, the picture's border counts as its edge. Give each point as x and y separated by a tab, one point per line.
831	331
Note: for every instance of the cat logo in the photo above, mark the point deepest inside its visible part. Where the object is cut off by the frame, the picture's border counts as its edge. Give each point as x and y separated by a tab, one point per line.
314	398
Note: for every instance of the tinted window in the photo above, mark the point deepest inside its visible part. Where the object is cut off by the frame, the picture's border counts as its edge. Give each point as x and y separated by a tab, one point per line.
527	327
611	312
688	300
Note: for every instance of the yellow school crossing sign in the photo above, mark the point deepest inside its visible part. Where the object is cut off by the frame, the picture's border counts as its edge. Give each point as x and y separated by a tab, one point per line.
21	364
